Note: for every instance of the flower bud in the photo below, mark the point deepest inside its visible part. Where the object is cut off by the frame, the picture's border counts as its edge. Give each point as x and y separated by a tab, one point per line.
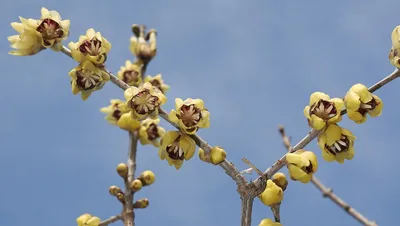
280	180
114	190
136	185
141	203
147	177
122	170
217	155
203	156
121	197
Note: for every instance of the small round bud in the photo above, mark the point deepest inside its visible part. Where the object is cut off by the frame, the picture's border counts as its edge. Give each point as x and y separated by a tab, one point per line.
141	203
114	190
203	156
136	185
121	198
280	180
147	177
122	170
217	155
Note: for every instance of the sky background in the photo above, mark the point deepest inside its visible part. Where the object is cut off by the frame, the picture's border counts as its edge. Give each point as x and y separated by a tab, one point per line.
254	63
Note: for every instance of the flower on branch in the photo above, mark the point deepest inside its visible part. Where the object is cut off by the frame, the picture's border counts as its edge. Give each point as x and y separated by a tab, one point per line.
126	122
92	46
273	194
87	78
131	74
176	147
115	110
37	35
394	54
150	132
144	101
158	82
88	220
269	222
336	143
359	102
216	156
322	110
143	45
301	165
190	115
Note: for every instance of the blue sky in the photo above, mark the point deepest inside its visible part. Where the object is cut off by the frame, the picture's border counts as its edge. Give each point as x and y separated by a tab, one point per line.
254	64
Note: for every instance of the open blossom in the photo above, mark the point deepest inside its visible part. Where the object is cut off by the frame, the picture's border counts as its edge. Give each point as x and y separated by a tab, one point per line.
301	165
359	102
176	147
36	35
150	132
322	110
87	78
131	74
158	82
92	46
144	101
190	115
88	220
143	45
269	222
272	194
336	143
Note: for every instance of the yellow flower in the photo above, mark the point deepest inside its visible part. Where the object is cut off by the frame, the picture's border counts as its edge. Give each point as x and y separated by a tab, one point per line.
272	194
92	46
176	147
126	122
88	220
150	132
269	222
144	101
114	111
217	155
36	35
359	101
190	115
394	57
143	45
280	180
131	74
301	165
323	110
336	143
158	82
396	37
87	78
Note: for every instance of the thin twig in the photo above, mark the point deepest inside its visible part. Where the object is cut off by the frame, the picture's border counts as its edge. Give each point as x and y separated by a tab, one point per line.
314	133
327	192
110	220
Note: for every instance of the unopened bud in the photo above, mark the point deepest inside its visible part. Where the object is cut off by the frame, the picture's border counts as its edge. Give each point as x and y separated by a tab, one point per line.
141	203
203	156
280	180
217	155
136	185
122	170
121	198
147	177
114	190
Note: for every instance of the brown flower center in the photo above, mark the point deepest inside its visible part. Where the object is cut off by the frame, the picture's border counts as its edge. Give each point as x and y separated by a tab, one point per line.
323	109
91	47
174	151
156	83
117	114
190	115
365	107
339	146
308	169
87	80
145	53
50	29
144	102
130	76
152	132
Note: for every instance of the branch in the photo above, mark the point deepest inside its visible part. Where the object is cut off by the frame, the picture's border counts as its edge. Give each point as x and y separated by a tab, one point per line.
327	192
247	209
314	133
110	220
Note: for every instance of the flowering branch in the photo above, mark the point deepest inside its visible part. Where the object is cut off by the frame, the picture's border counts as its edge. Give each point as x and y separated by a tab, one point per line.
110	220
327	192
314	133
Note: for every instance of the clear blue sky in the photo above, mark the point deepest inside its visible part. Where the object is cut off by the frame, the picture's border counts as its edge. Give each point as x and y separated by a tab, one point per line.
254	64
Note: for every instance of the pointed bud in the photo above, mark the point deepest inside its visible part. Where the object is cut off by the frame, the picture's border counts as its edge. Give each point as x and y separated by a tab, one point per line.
147	177
141	203
122	170
136	185
114	190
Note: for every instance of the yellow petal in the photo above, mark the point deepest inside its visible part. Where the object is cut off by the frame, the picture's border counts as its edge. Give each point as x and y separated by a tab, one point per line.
172	116
377	111
362	91
332	133
217	155
296	159
316	96
188	145
127	123
82	219
352	101
178	104
317	123
396	37
94	221
295	172
356	116
85	94
18	27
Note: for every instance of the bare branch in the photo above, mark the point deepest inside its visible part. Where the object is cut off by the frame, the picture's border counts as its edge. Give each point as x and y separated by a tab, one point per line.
110	220
247	209
253	167
327	192
314	133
